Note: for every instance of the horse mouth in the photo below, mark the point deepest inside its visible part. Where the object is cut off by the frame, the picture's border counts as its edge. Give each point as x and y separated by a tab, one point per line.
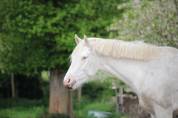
70	88
71	85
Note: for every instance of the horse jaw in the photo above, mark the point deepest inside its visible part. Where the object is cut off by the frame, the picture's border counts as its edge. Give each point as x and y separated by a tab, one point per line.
78	84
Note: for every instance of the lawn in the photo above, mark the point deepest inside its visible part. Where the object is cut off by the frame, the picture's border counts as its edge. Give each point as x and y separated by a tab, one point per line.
95	97
21	112
21	108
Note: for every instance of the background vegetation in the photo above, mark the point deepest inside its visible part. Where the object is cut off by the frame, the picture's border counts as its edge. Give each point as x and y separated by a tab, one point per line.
36	37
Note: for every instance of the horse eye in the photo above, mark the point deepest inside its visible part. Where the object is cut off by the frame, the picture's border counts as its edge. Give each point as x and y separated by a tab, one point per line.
83	58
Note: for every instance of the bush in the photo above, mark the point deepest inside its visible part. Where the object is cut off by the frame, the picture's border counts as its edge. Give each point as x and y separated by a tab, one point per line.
98	89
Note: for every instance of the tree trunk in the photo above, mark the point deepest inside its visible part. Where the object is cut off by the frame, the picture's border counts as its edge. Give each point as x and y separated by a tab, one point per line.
13	91
60	98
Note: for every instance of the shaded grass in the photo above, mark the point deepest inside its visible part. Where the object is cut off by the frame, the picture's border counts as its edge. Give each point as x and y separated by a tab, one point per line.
24	108
97	106
83	111
21	108
21	112
105	105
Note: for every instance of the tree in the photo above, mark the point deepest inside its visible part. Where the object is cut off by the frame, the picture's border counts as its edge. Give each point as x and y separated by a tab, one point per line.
58	103
13	86
38	35
154	22
176	5
27	39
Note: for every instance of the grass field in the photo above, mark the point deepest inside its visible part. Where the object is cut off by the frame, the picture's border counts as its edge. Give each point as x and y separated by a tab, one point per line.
21	112
102	100
21	108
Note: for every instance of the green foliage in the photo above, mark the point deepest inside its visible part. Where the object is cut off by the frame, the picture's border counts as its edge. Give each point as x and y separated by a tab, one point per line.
152	21
97	89
38	35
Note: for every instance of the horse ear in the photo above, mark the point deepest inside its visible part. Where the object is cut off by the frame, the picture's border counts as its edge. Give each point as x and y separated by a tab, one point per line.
77	39
86	41
84	37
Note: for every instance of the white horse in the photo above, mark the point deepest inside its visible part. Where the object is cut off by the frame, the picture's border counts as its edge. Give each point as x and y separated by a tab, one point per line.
150	71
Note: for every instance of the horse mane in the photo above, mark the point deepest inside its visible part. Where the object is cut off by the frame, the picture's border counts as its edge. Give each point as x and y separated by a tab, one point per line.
123	49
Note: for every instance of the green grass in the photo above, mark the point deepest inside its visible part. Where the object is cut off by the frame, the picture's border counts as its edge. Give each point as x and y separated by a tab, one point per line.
21	108
95	97
81	110
21	112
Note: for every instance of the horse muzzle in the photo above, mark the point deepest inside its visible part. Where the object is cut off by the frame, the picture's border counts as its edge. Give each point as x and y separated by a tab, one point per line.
69	82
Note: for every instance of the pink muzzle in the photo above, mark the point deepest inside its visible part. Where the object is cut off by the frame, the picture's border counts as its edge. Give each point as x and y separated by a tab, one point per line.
69	82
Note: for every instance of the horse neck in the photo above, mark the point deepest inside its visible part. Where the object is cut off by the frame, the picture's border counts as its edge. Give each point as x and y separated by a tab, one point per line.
129	71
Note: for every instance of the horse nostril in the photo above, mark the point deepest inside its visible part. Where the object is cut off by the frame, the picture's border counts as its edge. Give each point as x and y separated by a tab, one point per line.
68	80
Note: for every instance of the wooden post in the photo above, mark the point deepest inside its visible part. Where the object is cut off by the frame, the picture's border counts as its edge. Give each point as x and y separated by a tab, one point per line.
121	101
114	87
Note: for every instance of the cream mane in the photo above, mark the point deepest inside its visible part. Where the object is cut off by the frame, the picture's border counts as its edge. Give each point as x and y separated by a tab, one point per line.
123	49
